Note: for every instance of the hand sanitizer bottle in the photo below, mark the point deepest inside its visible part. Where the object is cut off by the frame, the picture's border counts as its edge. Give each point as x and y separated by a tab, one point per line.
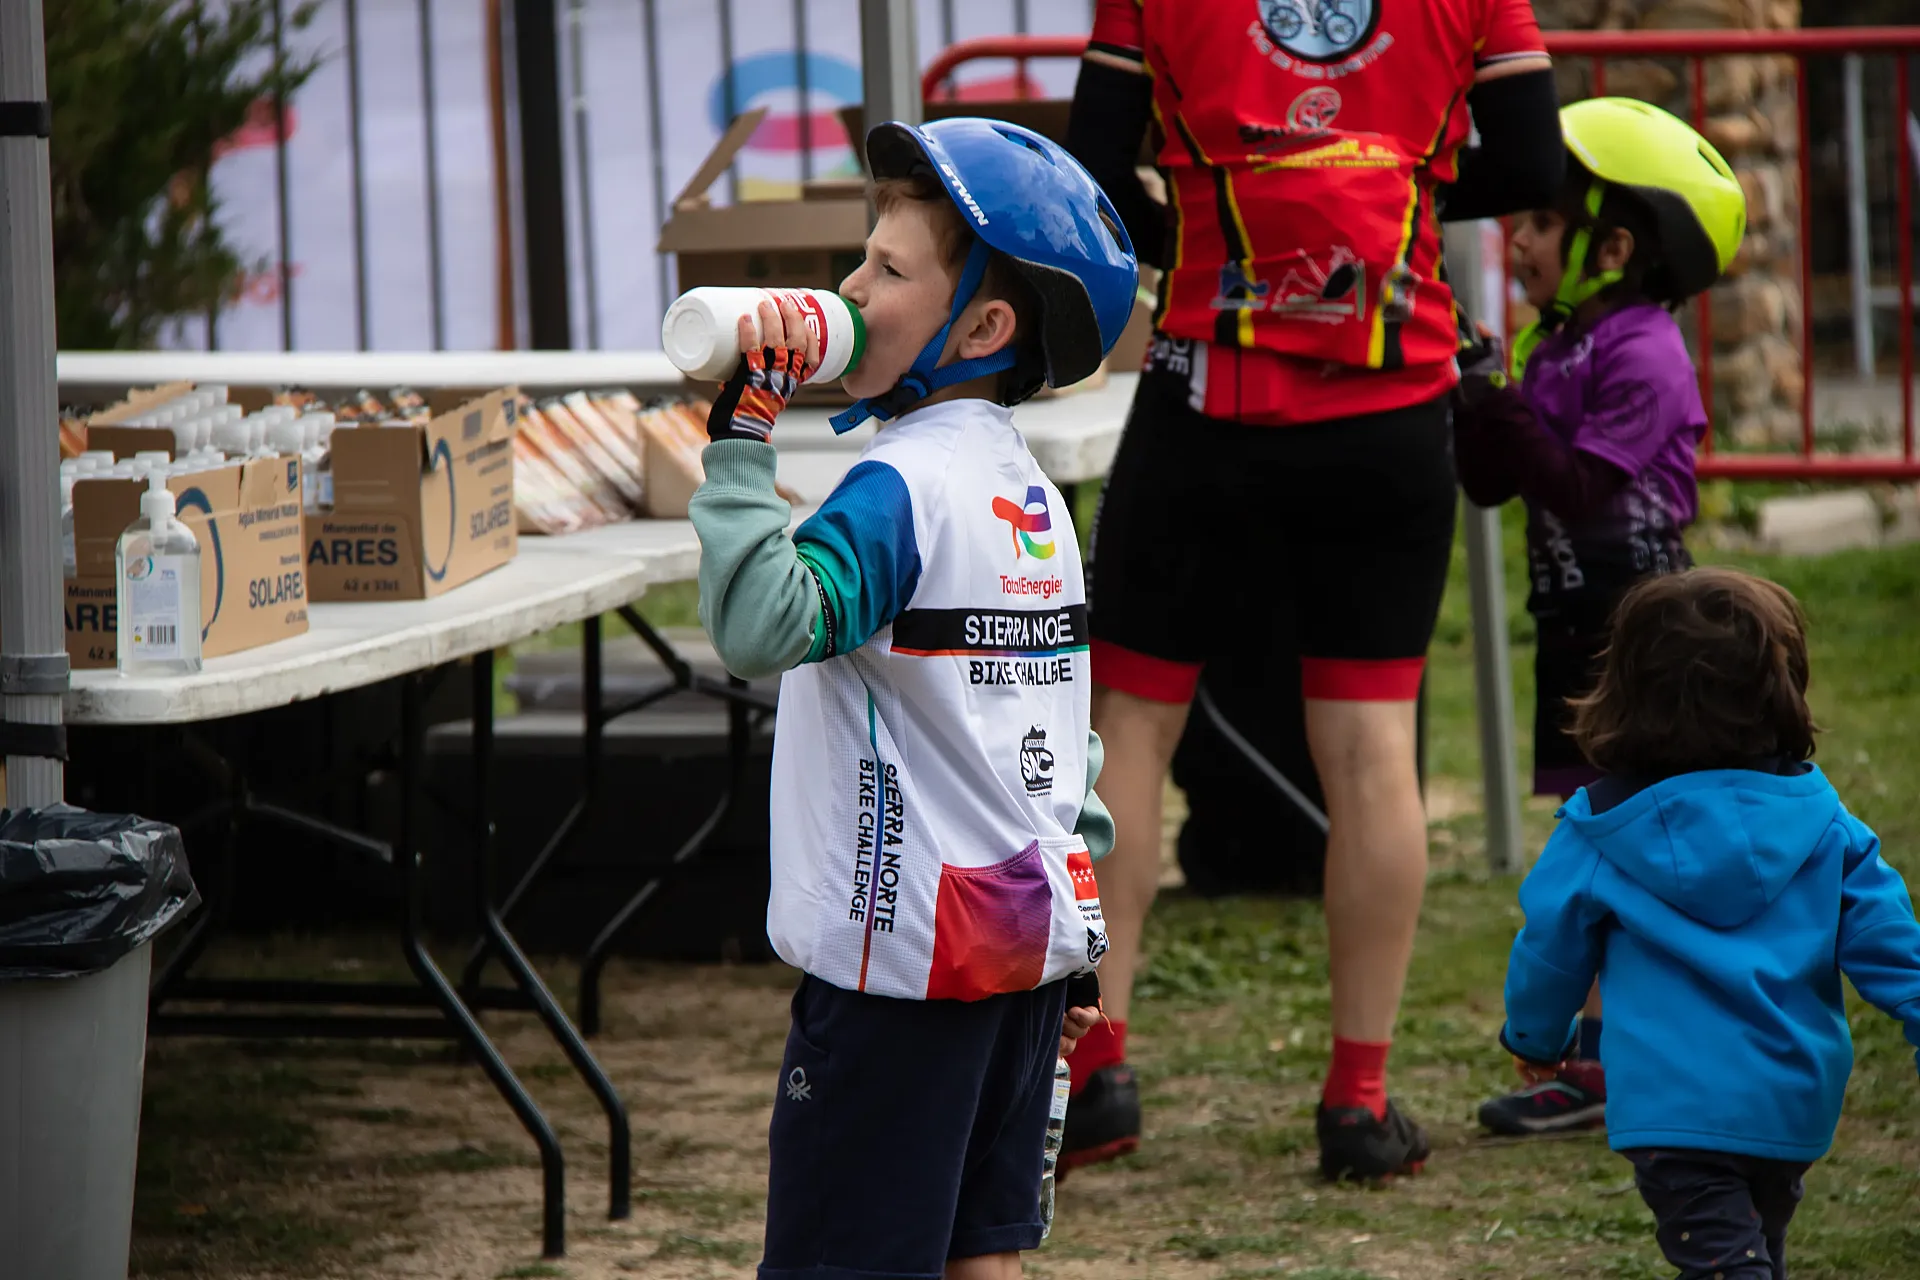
69	561
157	572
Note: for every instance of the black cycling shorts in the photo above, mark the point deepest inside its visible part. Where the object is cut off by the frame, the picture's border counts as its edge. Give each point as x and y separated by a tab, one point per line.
1347	525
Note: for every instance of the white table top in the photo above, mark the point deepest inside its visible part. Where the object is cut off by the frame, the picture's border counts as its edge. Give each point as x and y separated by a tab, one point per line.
552	582
534	371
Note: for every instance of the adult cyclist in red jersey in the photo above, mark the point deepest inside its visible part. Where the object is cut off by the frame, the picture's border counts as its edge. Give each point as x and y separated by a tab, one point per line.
1289	444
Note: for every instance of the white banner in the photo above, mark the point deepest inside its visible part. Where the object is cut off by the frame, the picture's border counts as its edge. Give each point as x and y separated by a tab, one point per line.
617	187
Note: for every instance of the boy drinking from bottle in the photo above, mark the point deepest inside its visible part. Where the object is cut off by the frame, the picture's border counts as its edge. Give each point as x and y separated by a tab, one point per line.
934	823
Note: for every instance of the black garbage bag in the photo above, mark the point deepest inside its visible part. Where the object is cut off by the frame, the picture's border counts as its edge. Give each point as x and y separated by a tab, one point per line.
79	890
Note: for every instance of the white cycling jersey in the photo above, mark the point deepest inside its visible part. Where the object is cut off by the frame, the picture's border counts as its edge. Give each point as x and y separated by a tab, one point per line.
927	784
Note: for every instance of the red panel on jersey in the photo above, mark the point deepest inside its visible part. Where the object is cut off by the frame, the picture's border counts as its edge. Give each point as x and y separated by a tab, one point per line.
1303	141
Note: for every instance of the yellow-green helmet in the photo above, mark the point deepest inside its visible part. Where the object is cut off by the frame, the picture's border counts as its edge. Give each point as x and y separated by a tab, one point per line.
1697	203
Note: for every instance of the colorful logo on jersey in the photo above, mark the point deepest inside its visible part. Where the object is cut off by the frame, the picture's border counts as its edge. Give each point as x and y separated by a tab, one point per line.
1328	290
1026	521
1240	291
1320	30
1314	110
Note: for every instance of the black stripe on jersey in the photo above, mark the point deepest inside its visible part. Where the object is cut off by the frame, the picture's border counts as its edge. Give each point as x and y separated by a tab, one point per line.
1226	324
1392	354
998	631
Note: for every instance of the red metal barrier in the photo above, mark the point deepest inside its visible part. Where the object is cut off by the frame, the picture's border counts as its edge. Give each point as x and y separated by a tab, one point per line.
1696	47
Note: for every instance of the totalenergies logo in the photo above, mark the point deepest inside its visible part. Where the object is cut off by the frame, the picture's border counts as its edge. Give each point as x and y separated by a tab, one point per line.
1026	521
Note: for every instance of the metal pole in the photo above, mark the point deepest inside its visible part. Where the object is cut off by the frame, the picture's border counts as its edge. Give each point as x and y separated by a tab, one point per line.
889	62
1859	243
543	192
430	133
583	165
1487	590
656	134
33	670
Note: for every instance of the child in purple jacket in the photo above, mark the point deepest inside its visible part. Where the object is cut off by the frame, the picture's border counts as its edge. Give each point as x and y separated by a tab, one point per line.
1598	436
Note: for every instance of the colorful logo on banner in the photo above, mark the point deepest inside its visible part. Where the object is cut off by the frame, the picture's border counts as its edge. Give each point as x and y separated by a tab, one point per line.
1025	521
773	79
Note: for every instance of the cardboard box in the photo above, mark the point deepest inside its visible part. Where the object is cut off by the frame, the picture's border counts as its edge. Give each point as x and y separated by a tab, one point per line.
791	244
418	509
247	519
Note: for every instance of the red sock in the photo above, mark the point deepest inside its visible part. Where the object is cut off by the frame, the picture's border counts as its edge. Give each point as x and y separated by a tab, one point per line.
1101	1047
1358	1076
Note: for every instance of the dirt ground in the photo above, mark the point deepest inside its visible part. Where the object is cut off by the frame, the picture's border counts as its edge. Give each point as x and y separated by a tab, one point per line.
400	1161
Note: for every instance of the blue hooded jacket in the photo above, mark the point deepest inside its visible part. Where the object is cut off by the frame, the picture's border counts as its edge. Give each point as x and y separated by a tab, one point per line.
1719	910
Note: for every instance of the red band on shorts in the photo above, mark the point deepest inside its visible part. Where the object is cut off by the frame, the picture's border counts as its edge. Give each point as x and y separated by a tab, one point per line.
1155	679
1361	679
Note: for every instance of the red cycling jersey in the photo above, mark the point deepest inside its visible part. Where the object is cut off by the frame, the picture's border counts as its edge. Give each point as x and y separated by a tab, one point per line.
1302	141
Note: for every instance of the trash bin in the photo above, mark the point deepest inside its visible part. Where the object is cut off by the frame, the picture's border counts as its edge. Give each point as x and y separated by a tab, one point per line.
82	896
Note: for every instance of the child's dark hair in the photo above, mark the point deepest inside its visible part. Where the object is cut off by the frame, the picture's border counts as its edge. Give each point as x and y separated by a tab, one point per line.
1646	274
1705	669
1002	279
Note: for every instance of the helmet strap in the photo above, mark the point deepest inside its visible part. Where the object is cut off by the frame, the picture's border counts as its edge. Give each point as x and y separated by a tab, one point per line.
925	375
1575	289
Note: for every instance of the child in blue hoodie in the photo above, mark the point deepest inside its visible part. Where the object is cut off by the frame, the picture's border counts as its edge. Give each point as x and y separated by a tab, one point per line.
1718	888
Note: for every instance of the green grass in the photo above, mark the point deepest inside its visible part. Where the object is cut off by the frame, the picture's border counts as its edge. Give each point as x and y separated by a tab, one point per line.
212	1135
1229	1028
1230	1034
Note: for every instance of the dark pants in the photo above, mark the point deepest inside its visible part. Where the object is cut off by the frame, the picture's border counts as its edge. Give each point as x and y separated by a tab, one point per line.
1719	1217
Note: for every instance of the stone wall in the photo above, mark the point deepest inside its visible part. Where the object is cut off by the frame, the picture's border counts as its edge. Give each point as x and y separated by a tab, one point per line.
1752	117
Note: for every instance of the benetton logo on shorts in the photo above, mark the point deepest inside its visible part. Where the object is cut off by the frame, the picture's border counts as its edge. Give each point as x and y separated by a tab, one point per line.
1026	522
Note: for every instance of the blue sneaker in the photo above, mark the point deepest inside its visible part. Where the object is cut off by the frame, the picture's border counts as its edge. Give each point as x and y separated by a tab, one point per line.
1576	1099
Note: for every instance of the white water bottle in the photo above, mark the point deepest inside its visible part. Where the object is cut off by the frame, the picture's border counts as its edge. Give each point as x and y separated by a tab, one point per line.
701	333
157	575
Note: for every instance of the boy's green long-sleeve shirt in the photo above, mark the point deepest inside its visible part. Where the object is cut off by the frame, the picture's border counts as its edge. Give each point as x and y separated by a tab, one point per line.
770	601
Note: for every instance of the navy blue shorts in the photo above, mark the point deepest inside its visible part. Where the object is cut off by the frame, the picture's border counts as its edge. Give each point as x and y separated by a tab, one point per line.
908	1132
1719	1216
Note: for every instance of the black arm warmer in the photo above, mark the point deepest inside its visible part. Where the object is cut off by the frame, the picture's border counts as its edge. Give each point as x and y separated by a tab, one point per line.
1521	159
1500	449
1104	131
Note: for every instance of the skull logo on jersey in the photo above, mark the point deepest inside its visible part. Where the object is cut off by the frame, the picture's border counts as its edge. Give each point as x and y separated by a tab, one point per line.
1319	30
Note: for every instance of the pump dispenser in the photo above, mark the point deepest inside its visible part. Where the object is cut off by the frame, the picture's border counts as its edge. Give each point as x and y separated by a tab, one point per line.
157	575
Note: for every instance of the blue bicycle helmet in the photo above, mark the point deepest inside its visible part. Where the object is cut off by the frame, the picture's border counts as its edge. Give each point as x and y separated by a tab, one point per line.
1023	196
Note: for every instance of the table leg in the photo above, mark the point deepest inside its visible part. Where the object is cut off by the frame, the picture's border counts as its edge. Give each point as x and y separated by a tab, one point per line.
594	724
406	853
501	943
739	731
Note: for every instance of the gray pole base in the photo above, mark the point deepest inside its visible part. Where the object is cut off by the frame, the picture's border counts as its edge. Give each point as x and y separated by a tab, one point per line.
72	1052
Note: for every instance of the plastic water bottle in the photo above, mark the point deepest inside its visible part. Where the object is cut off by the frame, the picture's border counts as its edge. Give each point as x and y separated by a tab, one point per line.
157	581
1056	1133
701	332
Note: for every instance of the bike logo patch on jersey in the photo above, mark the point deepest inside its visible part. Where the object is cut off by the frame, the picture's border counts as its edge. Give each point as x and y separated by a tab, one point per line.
1313	111
1240	291
1319	30
1328	289
1036	763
